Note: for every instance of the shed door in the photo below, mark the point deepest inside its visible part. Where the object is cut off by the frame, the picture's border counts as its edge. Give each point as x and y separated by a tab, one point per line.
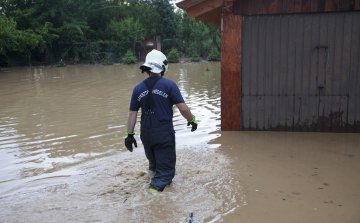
291	80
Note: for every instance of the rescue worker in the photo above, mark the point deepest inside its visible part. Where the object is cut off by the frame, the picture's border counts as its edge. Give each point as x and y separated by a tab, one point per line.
156	97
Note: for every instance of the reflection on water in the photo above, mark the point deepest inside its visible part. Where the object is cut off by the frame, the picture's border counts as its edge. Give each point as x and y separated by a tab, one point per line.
62	156
62	126
56	118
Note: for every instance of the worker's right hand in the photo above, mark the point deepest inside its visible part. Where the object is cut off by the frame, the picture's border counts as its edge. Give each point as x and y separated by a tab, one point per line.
193	124
129	140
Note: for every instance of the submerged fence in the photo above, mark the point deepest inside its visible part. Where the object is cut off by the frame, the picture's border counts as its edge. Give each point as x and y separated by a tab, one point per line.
89	52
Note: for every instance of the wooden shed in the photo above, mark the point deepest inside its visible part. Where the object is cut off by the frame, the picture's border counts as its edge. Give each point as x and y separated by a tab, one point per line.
287	65
148	44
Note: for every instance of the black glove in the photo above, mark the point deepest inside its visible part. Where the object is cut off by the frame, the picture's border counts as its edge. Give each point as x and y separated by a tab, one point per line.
129	140
193	124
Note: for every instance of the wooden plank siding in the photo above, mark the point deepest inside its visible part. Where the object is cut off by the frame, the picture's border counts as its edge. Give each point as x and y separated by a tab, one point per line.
212	17
288	84
262	7
204	9
271	71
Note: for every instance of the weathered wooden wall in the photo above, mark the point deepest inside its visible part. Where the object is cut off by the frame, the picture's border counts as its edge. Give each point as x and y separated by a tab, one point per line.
231	72
282	70
257	7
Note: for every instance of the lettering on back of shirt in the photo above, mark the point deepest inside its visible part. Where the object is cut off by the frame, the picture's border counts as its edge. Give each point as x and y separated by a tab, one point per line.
142	95
158	92
155	91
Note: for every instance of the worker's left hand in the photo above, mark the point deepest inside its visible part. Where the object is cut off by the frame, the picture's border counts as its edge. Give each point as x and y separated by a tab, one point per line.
193	124
129	140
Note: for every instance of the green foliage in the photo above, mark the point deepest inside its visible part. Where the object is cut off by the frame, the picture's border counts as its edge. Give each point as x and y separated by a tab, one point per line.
61	63
214	55
207	69
195	58
168	26
196	35
43	30
125	30
8	35
128	58
76	60
107	61
12	39
173	56
191	29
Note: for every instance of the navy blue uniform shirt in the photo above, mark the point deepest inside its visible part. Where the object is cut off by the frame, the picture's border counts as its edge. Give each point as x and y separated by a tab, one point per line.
165	92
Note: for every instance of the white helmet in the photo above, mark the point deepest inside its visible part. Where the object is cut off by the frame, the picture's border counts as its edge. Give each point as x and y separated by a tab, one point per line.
155	62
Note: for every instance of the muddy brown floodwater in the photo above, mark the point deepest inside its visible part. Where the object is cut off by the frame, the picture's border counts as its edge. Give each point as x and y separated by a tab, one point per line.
62	156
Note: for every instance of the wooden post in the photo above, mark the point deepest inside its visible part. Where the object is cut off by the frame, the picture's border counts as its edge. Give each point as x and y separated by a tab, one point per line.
91	56
231	72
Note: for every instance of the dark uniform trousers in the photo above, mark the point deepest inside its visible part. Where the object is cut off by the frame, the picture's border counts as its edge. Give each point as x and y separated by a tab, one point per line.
158	139
159	145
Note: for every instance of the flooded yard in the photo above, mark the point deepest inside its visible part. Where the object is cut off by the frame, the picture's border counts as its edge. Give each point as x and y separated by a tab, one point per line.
63	159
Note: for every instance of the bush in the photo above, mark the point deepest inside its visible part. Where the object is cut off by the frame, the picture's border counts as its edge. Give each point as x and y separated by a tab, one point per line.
214	55
107	61
61	63
173	56
195	58
128	58
76	60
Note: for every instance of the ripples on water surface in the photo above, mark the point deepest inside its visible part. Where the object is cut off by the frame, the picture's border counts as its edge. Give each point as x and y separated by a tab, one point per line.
62	150
62	156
